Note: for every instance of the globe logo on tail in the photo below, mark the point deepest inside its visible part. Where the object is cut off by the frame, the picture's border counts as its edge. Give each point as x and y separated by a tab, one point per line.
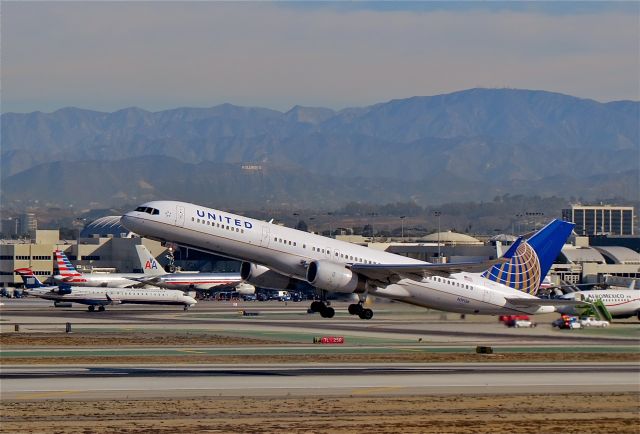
522	272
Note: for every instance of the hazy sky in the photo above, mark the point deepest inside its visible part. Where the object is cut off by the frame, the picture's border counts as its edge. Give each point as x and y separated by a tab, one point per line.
111	55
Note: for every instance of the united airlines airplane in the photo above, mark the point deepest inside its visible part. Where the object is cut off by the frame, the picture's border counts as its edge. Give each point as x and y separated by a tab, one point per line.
276	257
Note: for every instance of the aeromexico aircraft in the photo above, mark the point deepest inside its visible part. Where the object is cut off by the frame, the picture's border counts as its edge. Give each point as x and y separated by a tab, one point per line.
276	256
99	297
67	273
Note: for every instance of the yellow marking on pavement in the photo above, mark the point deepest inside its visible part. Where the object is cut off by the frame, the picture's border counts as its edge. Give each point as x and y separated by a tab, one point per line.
193	351
51	394
369	390
409	349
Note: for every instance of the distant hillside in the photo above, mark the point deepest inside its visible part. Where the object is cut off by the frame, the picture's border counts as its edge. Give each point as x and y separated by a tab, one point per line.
466	145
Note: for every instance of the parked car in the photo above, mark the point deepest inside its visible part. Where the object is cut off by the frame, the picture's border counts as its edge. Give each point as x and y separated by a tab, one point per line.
524	323
591	321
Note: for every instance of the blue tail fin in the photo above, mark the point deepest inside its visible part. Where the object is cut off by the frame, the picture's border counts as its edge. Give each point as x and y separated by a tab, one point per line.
30	280
530	262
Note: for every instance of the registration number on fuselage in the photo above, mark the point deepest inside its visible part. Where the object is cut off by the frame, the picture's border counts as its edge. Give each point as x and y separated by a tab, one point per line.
462	300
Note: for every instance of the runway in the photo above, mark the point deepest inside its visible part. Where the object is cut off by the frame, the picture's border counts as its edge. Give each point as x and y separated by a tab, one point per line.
120	381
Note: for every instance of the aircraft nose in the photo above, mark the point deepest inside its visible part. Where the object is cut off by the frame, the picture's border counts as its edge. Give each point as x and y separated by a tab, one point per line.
127	221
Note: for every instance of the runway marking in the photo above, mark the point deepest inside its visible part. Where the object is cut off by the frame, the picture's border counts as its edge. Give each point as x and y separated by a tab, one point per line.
49	395
369	390
193	352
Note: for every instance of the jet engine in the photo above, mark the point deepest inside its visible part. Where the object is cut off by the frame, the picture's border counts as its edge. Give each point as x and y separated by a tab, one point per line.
263	277
334	277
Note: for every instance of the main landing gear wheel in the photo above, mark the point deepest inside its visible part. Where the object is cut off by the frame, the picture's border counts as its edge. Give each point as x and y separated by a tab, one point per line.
91	308
358	309
101	308
327	312
366	314
324	310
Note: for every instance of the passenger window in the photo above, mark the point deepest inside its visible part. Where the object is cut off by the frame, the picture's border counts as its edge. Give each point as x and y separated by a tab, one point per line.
192	218
208	223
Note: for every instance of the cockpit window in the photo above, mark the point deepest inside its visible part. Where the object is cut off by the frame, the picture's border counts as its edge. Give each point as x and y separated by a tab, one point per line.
148	210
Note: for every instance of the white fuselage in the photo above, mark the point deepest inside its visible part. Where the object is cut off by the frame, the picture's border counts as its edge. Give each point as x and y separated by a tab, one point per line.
289	251
104	296
105	280
621	303
202	281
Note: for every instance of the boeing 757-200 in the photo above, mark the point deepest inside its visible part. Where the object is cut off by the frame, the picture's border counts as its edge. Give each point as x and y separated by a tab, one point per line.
276	256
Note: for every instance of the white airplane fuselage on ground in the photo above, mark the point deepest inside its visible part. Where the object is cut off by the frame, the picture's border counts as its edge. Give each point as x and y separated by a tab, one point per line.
621	303
326	263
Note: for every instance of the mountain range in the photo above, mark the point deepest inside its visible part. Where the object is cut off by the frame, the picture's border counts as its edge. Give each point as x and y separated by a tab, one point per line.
468	145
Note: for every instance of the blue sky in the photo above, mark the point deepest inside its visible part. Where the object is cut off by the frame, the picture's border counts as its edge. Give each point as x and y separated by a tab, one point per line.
111	55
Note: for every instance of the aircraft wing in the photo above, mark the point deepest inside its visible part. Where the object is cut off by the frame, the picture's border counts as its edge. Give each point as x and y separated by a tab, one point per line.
537	302
385	272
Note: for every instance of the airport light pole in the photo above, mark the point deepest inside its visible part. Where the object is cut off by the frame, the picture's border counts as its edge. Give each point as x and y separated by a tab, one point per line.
79	221
330	214
438	214
373	232
402	217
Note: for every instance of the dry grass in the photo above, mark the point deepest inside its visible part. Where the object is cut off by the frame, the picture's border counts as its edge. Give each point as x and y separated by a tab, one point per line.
499	414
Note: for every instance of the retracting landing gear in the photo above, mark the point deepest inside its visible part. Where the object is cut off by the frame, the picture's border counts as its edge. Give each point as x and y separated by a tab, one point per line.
360	310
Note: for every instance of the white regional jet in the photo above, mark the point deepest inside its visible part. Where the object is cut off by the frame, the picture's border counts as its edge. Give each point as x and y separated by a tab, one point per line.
277	256
67	274
99	297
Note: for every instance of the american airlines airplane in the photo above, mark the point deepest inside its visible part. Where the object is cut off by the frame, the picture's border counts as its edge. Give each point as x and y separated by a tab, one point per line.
276	257
67	273
99	297
186	281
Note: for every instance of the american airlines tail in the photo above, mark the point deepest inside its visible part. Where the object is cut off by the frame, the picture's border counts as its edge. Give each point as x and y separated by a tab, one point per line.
148	262
532	259
65	267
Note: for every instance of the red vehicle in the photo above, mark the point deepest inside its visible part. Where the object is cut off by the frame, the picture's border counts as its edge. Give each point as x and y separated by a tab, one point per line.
510	318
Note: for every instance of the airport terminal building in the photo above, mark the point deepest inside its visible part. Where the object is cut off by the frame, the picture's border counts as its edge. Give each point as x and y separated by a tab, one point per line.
105	246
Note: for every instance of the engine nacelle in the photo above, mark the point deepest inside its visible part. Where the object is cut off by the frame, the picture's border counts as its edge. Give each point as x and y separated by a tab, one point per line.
245	289
62	290
334	277
259	275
